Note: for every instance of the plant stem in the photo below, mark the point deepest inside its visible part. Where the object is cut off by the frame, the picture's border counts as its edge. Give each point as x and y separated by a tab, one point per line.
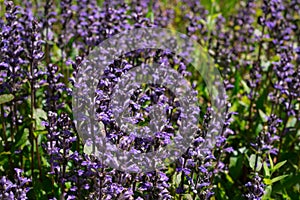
31	129
64	163
3	125
38	158
282	132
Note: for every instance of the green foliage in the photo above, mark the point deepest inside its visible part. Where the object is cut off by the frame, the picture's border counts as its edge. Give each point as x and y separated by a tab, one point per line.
5	98
280	174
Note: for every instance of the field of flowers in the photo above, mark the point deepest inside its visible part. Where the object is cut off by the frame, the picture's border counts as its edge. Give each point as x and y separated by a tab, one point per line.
255	45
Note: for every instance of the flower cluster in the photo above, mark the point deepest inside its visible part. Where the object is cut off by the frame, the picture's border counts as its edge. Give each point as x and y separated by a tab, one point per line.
16	189
255	46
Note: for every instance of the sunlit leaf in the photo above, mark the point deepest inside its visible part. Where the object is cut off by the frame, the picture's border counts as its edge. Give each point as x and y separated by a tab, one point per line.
4	98
278	178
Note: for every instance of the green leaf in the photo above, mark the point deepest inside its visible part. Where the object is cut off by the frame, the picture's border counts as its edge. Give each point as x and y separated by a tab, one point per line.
259	128
235	166
268	192
229	178
39	115
265	66
278	178
263	116
4	158
252	160
150	13
285	195
188	197
40	132
291	122
278	165
24	139
246	88
276	58
88	149
5	153
68	185
242	150
237	83
266	170
245	101
271	162
267	181
178	179
4	98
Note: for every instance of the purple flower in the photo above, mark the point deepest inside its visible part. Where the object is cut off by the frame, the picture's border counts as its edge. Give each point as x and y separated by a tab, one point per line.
255	188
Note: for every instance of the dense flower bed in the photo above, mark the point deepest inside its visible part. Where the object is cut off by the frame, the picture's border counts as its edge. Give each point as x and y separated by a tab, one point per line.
254	44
